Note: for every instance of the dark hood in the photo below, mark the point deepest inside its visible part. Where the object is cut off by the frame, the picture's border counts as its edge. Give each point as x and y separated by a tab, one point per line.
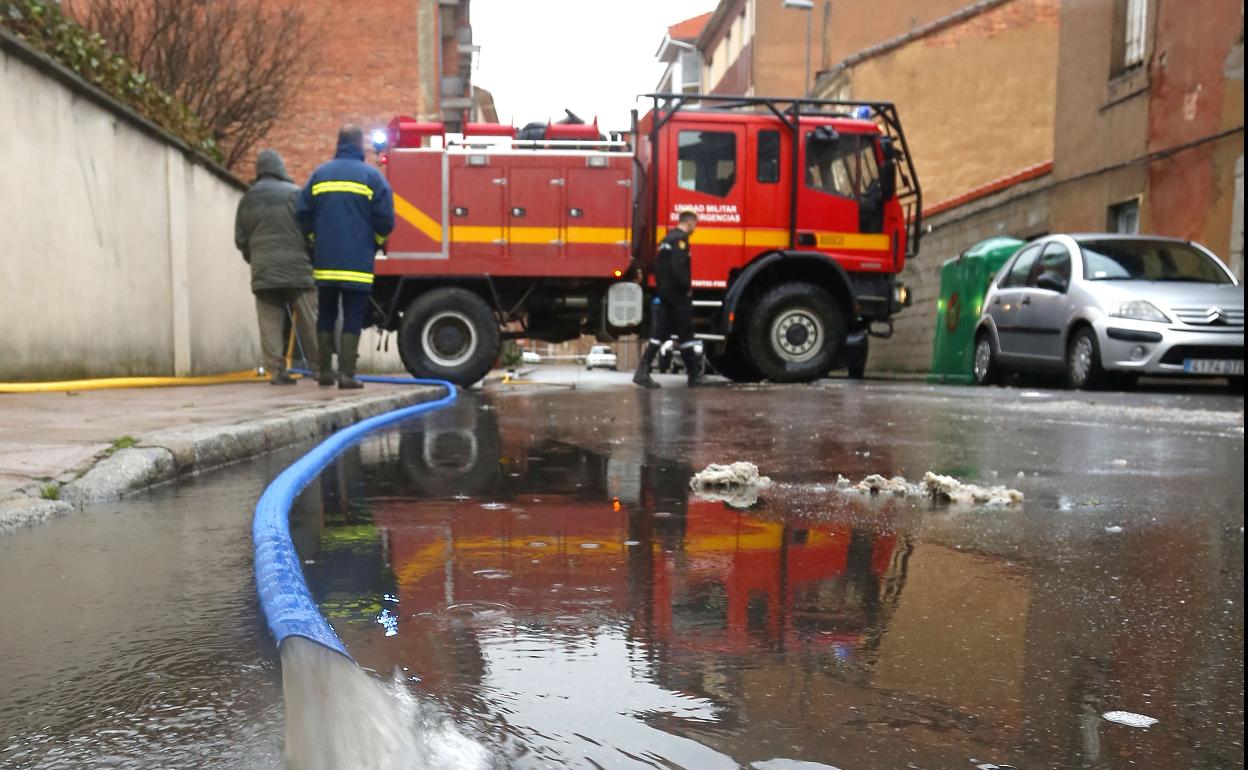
348	150
269	163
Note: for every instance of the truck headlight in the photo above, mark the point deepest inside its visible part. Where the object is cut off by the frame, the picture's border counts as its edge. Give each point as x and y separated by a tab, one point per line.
1138	310
901	295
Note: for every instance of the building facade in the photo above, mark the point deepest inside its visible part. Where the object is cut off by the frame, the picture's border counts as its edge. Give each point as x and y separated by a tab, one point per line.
773	48
373	61
1149	135
964	129
1143	107
679	51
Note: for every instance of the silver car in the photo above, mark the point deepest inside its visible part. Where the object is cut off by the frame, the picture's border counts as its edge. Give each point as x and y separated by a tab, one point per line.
1112	307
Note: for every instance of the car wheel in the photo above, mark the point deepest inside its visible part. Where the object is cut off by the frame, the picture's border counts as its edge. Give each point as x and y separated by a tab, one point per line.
795	332
449	334
1083	361
984	364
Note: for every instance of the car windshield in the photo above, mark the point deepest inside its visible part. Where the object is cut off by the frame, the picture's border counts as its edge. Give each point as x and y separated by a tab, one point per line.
1143	260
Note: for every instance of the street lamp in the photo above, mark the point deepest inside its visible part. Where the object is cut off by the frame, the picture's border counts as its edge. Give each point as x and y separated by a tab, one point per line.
809	7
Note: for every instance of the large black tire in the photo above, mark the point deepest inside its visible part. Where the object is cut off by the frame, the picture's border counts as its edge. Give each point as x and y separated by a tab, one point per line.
984	366
734	363
856	366
795	332
1083	361
449	334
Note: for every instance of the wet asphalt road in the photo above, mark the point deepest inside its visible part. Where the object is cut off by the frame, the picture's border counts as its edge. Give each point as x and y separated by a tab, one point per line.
533	564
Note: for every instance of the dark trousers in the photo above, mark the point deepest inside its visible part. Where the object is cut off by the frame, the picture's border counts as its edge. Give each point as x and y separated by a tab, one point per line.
672	316
354	308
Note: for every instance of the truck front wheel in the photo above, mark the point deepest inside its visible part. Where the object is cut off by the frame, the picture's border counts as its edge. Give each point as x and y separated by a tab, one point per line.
449	334
795	332
734	363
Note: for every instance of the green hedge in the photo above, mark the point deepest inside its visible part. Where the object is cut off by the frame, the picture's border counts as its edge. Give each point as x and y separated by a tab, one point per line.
43	25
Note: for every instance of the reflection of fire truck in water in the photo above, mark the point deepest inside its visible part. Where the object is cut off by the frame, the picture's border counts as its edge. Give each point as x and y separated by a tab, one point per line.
808	210
710	579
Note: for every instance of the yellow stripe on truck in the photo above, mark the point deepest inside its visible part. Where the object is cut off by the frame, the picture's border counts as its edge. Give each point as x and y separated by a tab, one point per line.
779	239
417	218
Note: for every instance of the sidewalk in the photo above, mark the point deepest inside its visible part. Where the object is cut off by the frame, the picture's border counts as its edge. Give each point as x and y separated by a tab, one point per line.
58	450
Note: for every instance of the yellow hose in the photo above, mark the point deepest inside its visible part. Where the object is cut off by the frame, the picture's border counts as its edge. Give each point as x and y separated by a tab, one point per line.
247	375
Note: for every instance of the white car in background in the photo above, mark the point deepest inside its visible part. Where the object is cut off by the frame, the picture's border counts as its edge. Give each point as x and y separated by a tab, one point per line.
1111	308
601	357
530	357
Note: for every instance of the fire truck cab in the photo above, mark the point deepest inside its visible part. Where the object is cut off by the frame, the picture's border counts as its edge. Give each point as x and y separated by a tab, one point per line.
807	211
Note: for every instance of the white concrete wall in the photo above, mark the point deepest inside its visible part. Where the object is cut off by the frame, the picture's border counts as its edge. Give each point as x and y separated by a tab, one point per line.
116	250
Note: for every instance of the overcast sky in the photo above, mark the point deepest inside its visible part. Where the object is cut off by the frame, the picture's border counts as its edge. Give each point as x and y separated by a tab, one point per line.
590	56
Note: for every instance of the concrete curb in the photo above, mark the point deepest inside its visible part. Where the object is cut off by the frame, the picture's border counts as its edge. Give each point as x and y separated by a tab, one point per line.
19	512
162	456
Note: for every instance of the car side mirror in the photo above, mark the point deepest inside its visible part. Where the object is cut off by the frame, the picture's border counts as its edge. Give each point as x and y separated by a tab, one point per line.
1051	282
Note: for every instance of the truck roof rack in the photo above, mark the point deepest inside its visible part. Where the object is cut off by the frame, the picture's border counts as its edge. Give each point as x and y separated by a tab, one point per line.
790	111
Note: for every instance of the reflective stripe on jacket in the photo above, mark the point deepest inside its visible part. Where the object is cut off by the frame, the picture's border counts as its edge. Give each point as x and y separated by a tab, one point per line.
346	210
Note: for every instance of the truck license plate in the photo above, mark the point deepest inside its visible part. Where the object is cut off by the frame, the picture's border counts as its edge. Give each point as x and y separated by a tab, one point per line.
1213	366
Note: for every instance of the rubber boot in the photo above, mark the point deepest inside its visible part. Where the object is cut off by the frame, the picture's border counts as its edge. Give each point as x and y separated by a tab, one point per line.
325	356
693	365
346	363
642	375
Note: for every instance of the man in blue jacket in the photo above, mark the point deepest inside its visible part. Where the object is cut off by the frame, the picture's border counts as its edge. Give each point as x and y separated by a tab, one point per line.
346	210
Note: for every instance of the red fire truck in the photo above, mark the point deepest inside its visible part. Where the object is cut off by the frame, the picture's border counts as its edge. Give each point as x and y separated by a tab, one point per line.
807	208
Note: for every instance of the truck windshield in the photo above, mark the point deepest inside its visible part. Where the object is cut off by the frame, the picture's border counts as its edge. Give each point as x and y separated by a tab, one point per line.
844	167
1145	260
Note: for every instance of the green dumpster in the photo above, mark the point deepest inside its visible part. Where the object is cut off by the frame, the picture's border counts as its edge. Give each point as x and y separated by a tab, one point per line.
963	283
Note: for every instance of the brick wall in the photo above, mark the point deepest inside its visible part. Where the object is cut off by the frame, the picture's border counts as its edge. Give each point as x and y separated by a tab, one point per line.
366	69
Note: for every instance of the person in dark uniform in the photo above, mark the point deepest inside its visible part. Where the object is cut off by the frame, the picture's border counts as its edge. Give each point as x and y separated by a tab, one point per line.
673	306
346	210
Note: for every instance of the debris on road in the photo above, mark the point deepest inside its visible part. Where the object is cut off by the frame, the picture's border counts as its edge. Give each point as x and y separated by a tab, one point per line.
945	489
1129	719
736	484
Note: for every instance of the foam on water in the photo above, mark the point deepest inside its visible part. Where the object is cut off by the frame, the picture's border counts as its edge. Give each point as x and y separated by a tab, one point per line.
337	716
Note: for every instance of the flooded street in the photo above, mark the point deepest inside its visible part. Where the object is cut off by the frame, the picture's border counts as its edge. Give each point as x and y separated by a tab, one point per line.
537	564
533	566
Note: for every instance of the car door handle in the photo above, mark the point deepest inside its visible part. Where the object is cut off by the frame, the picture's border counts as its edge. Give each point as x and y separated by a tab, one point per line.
1026	301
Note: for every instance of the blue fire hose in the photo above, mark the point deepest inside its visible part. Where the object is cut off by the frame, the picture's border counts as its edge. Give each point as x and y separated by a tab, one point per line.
288	607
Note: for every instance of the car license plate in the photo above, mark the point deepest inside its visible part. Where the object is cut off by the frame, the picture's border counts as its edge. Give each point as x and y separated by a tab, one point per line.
1213	366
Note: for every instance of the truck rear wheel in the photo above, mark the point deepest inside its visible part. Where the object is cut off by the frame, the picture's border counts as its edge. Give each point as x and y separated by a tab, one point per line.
449	334
795	333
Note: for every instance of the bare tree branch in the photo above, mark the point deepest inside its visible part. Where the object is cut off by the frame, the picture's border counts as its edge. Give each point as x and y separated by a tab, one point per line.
235	63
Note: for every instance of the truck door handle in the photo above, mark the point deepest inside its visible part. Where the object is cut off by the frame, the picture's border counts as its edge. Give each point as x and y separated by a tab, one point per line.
517	212
461	211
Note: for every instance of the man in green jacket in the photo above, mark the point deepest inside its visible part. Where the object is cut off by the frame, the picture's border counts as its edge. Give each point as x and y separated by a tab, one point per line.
266	232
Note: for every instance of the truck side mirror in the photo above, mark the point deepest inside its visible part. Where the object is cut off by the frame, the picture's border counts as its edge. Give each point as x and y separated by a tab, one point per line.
888	171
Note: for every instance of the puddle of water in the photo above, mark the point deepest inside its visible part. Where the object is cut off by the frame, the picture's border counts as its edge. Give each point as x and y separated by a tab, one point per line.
339	716
805	631
620	622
